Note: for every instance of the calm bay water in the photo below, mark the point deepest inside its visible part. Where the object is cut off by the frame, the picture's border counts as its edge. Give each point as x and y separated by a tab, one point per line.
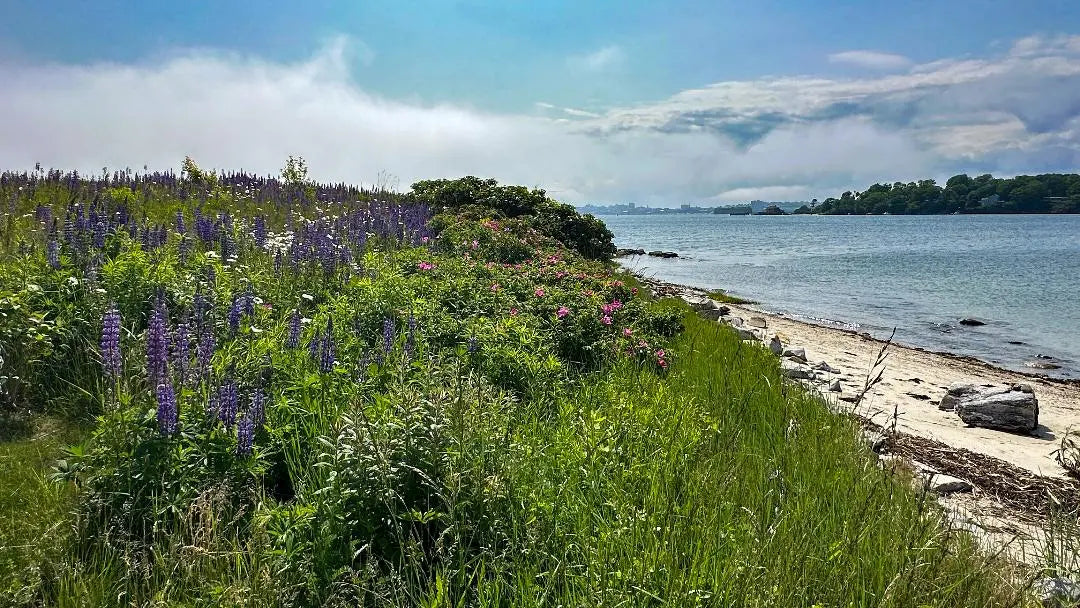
919	274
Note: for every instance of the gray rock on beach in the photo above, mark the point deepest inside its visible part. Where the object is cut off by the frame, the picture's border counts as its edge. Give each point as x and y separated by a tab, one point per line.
835	387
796	371
746	334
825	367
1010	408
776	346
712	314
799	354
757	322
942	484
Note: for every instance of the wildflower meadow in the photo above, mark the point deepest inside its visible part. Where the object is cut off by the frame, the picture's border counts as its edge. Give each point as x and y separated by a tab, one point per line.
220	389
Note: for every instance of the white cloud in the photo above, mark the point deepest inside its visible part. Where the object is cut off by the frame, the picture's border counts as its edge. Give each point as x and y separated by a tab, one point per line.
796	137
600	59
875	60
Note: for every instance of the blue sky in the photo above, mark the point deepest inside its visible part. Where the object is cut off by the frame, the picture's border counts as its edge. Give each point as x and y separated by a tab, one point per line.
599	101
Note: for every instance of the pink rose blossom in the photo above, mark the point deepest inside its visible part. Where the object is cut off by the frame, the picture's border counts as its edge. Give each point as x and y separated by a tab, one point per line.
606	320
539	292
562	312
627	332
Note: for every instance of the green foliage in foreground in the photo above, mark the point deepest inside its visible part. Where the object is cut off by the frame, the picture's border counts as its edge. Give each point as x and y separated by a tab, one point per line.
717	485
499	422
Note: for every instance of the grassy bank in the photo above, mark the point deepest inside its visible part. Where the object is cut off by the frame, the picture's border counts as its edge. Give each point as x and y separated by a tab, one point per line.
308	395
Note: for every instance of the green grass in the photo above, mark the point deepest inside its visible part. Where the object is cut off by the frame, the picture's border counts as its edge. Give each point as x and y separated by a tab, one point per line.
502	423
716	485
726	298
35	520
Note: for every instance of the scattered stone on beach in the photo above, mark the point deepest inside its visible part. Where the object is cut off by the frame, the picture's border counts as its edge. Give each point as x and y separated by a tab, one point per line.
663	254
799	354
848	397
796	371
757	322
825	367
711	314
776	346
1057	592
734	321
745	334
1011	408
835	387
942	484
971	322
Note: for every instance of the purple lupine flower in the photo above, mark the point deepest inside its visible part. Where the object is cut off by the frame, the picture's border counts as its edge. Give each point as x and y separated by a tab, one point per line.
181	350
315	347
260	231
101	230
293	340
204	351
234	315
245	435
388	335
157	342
110	342
328	351
168	416
258	406
472	345
52	254
183	250
247	300
181	228
228	402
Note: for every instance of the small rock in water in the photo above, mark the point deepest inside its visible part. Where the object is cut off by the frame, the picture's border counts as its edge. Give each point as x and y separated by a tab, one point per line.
835	387
942	484
1057	592
799	354
756	322
1042	365
971	322
1016	342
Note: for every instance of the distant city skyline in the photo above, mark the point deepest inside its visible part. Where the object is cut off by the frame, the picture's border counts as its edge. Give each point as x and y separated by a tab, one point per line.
713	102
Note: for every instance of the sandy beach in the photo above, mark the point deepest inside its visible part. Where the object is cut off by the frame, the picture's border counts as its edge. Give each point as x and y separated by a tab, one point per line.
1014	476
913	383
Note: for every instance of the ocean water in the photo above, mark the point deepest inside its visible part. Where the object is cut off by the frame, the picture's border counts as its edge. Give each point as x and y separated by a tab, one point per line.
919	274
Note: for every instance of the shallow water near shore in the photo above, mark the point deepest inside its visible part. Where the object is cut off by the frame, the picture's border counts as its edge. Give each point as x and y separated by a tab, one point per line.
1020	274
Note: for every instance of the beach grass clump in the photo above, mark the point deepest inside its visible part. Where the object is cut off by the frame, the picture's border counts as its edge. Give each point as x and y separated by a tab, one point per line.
301	395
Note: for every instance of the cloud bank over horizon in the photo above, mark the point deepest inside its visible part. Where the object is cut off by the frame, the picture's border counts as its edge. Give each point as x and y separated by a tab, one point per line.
791	137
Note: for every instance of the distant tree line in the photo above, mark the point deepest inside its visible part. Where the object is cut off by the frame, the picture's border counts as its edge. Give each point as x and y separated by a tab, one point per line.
1049	193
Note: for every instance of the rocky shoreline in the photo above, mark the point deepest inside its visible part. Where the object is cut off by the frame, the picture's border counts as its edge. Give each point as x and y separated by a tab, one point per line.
993	460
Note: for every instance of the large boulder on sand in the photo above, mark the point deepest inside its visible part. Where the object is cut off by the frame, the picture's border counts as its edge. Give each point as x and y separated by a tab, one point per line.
1007	408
